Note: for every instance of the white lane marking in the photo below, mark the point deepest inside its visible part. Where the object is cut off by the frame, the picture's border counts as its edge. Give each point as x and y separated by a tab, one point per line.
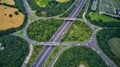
43	56
58	36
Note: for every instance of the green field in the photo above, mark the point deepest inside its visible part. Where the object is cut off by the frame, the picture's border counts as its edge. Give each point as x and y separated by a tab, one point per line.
97	17
36	51
109	41
42	3
78	32
43	30
102	20
114	44
79	55
14	52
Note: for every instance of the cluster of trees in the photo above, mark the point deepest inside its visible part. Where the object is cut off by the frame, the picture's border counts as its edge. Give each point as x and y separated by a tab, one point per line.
101	23
73	56
43	30
14	52
103	38
21	8
53	7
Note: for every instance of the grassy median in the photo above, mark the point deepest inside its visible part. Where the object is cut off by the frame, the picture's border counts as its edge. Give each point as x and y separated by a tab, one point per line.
36	51
52	55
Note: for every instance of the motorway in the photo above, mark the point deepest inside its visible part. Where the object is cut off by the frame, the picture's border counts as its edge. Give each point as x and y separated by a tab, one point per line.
57	36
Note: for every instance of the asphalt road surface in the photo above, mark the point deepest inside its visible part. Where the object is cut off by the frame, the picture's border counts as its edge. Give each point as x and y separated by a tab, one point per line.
57	36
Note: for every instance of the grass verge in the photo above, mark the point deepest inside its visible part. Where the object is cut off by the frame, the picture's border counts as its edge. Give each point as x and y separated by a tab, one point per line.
52	55
36	51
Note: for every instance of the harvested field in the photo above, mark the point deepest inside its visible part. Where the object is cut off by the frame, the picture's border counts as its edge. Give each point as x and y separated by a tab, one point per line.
10	17
10	2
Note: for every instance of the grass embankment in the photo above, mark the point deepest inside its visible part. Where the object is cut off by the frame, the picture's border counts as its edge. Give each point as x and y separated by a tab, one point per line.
36	51
52	55
14	52
109	41
75	56
43	30
78	32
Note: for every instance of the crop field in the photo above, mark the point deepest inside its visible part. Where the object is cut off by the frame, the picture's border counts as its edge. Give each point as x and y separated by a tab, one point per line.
114	44
78	32
10	2
10	17
79	56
